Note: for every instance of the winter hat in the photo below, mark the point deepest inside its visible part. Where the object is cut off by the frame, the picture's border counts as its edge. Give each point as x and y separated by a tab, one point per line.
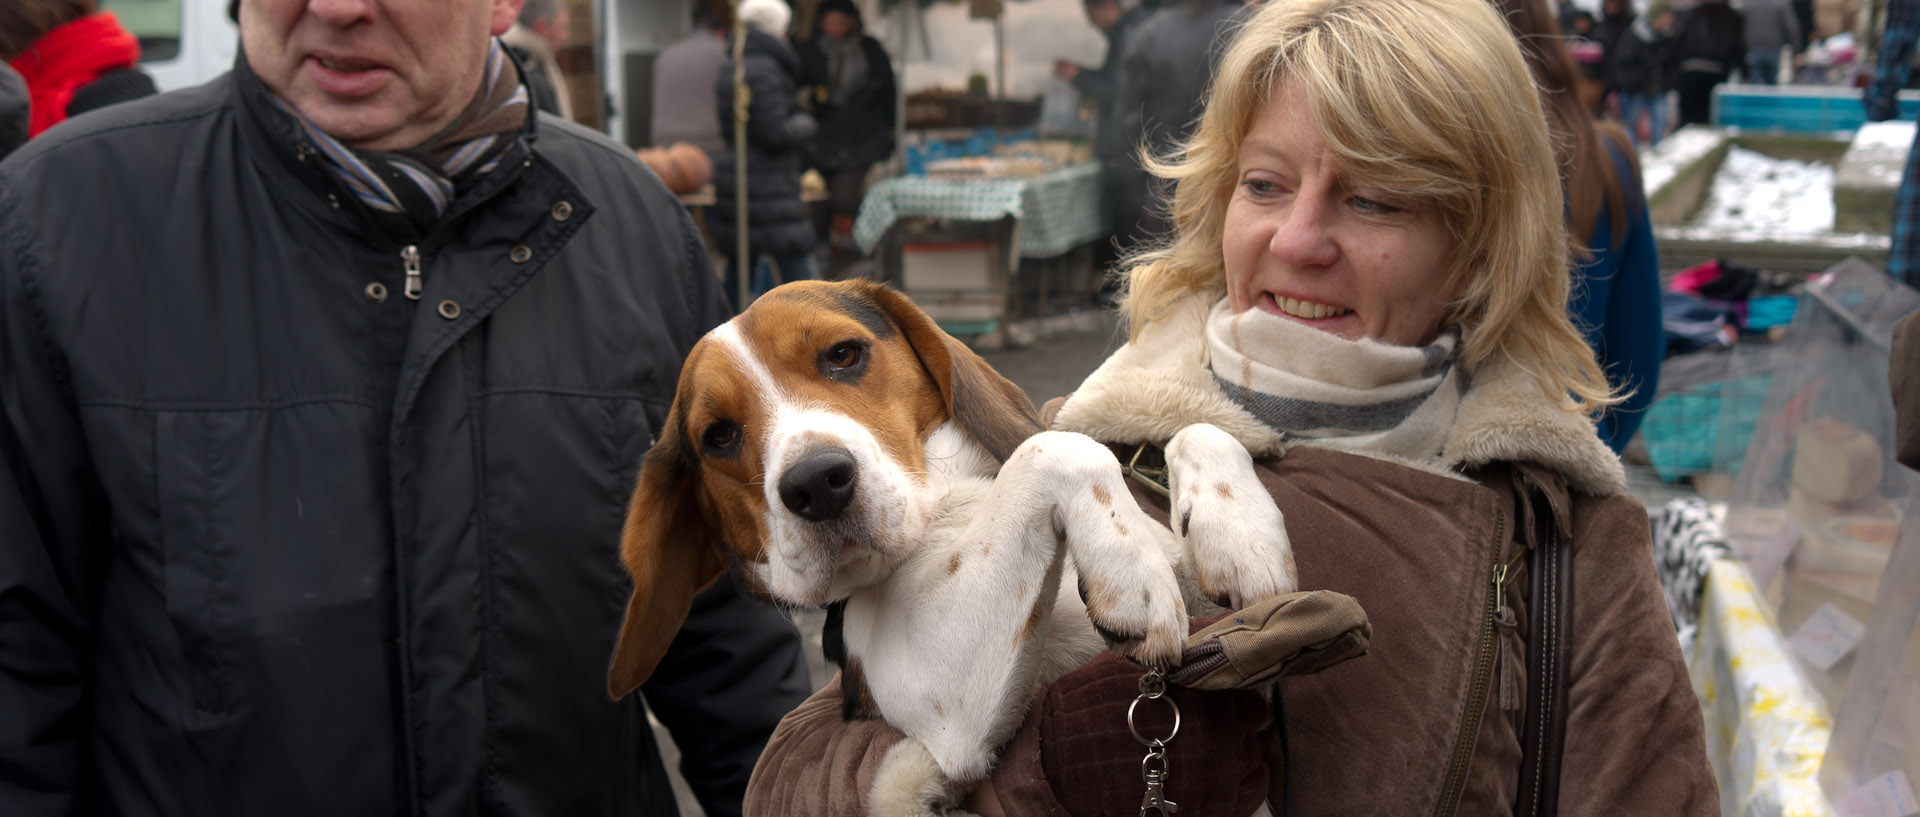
846	7
766	16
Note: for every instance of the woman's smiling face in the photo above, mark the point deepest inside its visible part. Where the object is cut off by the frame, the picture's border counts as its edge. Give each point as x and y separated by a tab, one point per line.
1306	243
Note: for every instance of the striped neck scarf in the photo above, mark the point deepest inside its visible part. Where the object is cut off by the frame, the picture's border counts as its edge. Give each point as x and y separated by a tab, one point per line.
1357	395
409	190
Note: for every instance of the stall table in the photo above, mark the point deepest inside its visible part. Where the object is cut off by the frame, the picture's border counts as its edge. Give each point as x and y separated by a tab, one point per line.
968	285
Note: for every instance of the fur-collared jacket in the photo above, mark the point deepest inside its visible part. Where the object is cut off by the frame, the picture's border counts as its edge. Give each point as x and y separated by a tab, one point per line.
1430	720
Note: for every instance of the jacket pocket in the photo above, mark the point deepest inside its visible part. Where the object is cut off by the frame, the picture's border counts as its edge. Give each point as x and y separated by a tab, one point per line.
191	449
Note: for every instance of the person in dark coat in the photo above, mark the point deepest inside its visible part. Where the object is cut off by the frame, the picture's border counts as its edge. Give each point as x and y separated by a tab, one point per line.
1710	43
778	133
1162	85
1641	71
1112	144
15	109
312	483
853	99
1615	17
74	59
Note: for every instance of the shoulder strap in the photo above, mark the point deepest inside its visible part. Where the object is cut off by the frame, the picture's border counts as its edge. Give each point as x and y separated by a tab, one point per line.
1550	614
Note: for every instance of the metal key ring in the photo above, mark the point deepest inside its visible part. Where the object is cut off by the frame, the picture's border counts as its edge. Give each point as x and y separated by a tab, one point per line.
1156	742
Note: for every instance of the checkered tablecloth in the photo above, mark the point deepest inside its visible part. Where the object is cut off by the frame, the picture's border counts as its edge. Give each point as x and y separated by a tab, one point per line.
1058	210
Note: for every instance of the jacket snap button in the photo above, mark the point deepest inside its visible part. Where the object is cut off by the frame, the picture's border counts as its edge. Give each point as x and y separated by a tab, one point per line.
520	254
449	310
562	211
376	292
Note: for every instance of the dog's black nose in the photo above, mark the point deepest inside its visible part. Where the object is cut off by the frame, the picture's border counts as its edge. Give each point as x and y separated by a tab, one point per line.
820	486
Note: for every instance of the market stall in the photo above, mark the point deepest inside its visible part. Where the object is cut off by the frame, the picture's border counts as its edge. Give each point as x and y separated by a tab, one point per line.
1798	592
1023	206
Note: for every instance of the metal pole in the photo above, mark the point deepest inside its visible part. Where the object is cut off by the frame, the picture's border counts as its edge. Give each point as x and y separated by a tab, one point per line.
1000	70
742	98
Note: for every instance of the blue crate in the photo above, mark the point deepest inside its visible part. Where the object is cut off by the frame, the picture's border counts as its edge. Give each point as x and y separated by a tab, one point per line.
1798	108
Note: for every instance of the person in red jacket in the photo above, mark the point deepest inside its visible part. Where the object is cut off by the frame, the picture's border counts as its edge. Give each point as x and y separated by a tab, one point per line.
73	57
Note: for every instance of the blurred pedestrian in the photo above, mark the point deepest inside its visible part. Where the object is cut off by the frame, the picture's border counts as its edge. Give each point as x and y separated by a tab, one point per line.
1710	44
1771	27
1589	57
854	103
536	38
1113	145
1164	70
326	383
15	110
683	76
74	58
1615	297
778	133
1615	17
1891	71
1641	72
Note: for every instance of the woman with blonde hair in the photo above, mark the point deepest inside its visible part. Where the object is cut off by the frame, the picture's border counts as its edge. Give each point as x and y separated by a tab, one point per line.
1367	287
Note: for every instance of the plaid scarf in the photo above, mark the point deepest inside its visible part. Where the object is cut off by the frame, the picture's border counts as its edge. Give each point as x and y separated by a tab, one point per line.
409	190
1358	395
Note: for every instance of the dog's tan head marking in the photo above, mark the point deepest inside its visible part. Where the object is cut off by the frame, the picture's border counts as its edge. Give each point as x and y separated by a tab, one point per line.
856	352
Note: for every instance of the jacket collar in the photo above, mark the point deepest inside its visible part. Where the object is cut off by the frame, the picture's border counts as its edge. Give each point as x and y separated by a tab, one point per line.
1153	387
282	149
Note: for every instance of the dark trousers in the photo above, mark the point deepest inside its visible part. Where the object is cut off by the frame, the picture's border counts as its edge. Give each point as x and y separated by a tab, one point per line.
1696	96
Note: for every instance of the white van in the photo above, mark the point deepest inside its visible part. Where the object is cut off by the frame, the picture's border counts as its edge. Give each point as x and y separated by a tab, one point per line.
182	42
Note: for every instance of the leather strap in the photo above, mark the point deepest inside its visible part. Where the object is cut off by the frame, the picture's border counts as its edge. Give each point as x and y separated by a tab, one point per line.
1550	614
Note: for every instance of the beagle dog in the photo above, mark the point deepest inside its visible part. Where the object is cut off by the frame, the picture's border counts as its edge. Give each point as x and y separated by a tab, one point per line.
832	444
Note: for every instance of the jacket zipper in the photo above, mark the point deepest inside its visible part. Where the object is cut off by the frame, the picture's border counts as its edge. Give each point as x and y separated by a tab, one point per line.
410	260
1482	677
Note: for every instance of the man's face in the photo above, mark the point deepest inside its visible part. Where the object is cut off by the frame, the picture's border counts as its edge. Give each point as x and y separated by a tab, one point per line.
375	74
836	24
1103	13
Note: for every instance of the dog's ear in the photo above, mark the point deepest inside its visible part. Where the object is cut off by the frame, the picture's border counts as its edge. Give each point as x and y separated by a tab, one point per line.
671	553
990	408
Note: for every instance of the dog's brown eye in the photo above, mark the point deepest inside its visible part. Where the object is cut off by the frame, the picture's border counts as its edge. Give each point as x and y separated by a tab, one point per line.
846	355
722	436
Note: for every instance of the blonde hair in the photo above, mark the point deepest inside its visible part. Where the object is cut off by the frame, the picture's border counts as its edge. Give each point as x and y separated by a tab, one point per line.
1430	98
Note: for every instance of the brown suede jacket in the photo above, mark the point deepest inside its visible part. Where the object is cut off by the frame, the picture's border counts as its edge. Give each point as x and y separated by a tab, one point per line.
1429	720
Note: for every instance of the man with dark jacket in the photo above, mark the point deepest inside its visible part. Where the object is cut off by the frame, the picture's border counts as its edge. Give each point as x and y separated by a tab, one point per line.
1710	43
1162	86
15	110
1113	145
850	80
322	390
778	133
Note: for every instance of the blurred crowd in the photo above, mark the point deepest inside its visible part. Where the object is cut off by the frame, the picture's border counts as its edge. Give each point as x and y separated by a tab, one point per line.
1655	70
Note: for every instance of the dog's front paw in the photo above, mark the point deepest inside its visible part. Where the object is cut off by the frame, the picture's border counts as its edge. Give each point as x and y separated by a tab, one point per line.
1134	602
1226	519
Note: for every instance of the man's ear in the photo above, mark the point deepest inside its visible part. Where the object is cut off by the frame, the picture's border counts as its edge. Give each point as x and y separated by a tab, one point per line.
505	12
988	407
671	553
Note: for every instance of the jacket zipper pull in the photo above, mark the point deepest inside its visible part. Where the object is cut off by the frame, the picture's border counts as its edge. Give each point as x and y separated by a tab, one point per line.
1513	681
410	259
